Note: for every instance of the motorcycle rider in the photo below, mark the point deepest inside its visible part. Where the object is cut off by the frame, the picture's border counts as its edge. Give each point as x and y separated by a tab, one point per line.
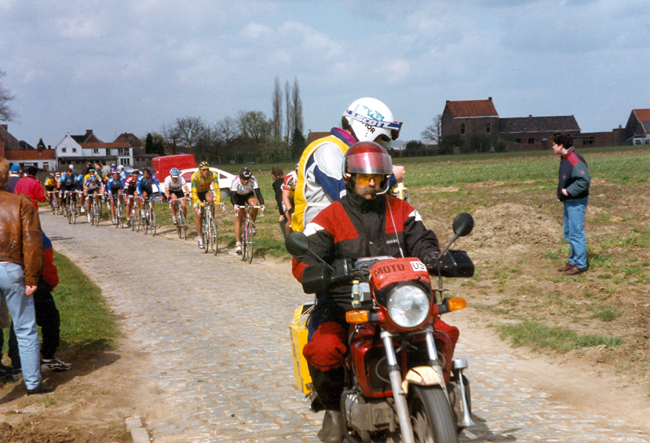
365	222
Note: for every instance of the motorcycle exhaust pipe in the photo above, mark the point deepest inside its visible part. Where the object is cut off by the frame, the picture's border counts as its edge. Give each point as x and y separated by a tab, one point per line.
459	365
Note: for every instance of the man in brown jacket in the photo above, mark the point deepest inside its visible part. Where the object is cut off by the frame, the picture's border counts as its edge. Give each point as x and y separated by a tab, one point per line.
21	263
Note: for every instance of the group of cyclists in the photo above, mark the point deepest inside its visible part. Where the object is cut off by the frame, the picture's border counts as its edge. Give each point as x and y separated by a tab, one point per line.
136	187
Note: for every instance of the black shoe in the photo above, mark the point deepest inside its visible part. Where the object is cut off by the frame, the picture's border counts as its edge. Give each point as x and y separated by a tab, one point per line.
332	431
42	388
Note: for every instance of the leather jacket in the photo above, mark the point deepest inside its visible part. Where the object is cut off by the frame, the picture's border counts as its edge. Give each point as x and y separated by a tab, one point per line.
21	239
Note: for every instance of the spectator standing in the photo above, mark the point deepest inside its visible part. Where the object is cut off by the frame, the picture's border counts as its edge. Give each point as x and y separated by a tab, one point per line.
31	187
288	191
21	264
573	192
278	179
13	178
47	316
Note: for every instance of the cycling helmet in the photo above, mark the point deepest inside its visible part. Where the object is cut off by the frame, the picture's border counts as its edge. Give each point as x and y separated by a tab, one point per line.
174	172
57	174
120	168
93	178
366	158
204	165
245	173
113	166
371	120
297	166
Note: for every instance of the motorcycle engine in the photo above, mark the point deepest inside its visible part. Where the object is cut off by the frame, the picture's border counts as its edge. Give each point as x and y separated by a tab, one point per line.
362	416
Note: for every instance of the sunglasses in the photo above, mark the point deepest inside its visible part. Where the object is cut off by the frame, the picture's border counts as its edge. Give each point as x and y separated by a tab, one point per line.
364	179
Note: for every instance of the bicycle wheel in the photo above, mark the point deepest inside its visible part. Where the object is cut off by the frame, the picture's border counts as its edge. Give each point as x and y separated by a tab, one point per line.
179	219
145	221
74	212
152	220
97	209
205	232
213	237
68	207
182	223
250	238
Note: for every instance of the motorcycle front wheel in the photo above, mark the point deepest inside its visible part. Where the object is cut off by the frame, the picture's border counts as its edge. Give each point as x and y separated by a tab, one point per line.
431	415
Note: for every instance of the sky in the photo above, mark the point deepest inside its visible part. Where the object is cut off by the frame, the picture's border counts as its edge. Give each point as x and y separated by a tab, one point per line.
133	66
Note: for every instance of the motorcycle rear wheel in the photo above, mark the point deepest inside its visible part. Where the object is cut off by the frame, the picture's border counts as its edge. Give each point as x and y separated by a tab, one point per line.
431	415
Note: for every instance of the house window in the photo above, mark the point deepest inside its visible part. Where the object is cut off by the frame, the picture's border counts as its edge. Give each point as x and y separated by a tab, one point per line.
637	142
531	141
123	151
95	151
462	129
517	140
74	149
488	128
63	149
647	141
125	161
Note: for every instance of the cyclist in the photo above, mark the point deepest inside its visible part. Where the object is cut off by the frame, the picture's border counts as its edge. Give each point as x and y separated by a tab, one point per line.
114	188
288	191
66	183
50	185
123	174
245	190
175	186
93	186
203	181
146	180
131	189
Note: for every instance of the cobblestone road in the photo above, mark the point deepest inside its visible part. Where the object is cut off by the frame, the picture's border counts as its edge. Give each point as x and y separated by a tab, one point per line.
216	330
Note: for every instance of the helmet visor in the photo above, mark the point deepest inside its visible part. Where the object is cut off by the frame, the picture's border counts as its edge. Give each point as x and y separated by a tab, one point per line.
370	163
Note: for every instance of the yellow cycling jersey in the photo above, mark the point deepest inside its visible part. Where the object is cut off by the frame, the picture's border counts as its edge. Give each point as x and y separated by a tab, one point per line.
202	184
50	182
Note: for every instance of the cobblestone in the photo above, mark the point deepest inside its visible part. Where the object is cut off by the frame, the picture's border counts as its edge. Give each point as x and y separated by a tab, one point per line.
216	331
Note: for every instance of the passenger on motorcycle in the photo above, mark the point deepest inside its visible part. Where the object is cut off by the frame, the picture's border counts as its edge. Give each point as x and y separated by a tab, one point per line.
175	188
244	190
365	222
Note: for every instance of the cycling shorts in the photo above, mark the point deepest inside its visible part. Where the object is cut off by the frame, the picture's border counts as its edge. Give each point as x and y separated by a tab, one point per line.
148	190
130	190
242	200
179	193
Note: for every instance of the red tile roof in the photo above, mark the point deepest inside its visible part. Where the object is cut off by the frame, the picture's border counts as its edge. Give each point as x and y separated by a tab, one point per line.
643	115
32	154
472	108
105	145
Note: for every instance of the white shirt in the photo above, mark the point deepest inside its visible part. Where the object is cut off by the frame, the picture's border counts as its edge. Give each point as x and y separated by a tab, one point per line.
178	186
239	188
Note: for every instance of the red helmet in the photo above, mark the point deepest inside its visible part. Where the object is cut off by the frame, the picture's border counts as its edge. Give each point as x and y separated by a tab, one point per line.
366	158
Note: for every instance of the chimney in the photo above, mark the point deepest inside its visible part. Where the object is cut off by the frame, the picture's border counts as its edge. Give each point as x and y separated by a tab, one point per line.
4	126
530	115
490	98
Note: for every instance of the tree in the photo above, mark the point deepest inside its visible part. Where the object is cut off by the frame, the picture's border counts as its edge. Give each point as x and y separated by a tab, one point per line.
297	144
287	97
414	145
449	142
171	136
255	129
479	142
154	144
296	104
433	132
190	130
6	114
276	121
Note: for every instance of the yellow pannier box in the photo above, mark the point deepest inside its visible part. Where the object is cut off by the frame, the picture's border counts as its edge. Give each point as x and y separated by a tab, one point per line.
299	333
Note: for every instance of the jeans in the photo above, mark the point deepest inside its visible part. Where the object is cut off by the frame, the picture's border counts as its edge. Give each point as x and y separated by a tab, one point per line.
574	231
21	308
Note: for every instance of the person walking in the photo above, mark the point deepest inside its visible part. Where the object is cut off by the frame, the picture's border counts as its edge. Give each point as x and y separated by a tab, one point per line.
21	264
278	178
573	192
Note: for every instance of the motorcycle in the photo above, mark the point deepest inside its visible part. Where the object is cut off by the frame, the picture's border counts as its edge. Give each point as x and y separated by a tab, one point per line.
402	382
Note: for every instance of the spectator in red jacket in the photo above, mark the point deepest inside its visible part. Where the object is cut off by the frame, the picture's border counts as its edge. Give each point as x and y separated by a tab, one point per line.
31	187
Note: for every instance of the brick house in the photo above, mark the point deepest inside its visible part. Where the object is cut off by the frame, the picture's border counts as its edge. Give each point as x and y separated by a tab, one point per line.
637	130
23	154
469	117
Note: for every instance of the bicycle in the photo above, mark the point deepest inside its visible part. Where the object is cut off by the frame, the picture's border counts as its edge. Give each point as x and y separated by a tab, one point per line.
248	236
70	207
134	216
209	229
181	222
53	200
118	202
95	208
149	217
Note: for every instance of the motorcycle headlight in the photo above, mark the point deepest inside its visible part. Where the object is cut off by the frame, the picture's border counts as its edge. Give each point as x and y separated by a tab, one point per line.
408	306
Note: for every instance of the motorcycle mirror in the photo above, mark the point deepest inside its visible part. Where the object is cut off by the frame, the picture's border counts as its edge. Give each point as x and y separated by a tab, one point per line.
463	224
297	243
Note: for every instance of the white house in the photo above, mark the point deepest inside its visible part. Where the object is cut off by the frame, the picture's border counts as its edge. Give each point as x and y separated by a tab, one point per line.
78	150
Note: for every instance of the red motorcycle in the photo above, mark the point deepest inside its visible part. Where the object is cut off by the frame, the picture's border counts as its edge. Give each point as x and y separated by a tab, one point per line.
402	381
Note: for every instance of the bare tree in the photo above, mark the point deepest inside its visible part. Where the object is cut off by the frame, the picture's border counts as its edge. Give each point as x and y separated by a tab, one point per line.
277	110
227	129
287	96
297	107
6	114
185	133
433	132
253	126
171	136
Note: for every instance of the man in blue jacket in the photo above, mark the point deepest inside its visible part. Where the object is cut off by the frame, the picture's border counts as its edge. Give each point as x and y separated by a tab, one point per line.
573	192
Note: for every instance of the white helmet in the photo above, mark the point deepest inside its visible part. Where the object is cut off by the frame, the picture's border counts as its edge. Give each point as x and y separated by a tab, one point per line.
371	120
